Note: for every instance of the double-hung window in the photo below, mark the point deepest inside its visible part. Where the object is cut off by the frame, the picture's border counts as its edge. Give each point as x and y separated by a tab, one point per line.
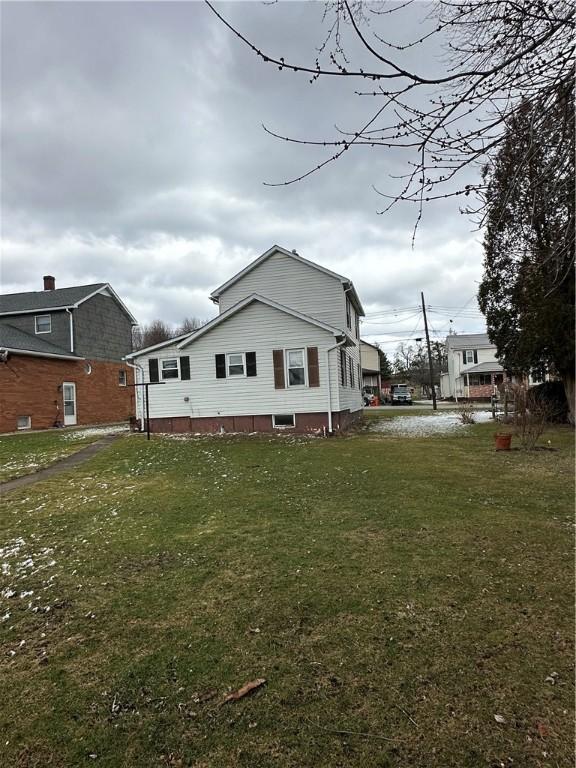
236	364
43	323
468	356
170	369
296	367
348	313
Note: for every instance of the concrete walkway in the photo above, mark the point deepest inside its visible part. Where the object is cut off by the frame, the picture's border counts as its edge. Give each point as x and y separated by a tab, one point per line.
59	466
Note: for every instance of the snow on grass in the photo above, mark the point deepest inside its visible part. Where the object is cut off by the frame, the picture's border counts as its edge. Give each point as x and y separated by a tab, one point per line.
427	425
83	434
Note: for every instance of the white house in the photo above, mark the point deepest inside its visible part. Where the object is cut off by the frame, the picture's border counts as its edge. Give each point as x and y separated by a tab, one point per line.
283	354
473	370
370	360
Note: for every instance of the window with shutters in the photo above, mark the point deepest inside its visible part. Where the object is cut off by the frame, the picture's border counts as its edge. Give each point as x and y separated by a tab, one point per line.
468	356
351	368
170	369
296	367
236	364
348	313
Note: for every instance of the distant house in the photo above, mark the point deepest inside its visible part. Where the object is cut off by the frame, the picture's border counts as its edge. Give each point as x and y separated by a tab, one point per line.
474	372
282	354
61	357
370	358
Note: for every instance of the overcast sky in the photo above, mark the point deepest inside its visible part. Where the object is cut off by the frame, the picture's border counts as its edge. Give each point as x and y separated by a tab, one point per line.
133	153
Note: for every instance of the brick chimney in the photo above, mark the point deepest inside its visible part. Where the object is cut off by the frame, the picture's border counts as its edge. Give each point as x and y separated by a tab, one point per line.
49	283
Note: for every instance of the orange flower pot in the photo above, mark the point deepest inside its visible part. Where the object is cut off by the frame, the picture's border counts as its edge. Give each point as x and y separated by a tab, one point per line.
503	442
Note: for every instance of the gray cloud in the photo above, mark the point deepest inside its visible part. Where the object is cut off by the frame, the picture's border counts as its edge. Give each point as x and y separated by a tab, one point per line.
133	153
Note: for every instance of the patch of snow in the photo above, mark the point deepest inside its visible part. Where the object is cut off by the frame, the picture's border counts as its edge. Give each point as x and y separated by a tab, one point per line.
427	425
81	434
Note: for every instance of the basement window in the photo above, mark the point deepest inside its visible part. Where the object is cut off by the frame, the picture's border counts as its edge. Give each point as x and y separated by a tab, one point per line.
43	323
283	421
24	422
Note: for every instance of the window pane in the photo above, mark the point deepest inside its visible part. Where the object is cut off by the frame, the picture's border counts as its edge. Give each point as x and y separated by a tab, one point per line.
236	364
295	358
284	420
166	364
43	323
296	377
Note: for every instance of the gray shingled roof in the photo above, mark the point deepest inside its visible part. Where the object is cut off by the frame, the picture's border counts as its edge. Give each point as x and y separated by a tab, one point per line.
37	300
14	338
468	341
483	368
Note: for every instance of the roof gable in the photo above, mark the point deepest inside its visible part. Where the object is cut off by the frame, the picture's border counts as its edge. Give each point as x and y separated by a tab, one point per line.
263	300
183	341
293	255
59	298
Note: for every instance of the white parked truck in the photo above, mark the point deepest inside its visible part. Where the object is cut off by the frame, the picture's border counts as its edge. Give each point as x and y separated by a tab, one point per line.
400	394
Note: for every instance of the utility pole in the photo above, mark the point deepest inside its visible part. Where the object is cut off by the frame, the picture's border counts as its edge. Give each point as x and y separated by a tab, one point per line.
434	406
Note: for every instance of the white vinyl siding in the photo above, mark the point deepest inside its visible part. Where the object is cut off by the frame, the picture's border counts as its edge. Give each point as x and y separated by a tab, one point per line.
262	329
295	285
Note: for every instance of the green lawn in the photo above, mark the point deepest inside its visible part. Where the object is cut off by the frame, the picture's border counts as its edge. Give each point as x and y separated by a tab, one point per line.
395	593
25	453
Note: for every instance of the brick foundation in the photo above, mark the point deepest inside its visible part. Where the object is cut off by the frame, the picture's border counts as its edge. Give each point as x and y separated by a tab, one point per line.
31	386
306	423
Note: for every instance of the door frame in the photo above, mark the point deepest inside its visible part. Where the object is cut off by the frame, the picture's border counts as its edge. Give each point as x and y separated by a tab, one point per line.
66	419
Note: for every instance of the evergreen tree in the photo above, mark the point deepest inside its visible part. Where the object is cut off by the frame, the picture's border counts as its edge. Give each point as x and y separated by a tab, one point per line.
527	292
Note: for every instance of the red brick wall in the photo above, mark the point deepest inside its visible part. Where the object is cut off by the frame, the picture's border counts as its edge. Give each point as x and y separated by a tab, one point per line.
29	386
305	423
480	391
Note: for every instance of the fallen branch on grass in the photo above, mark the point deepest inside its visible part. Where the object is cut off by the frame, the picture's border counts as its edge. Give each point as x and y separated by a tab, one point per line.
245	690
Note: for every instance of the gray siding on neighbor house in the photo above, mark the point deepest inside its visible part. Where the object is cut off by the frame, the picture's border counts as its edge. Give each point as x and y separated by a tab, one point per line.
102	329
60	334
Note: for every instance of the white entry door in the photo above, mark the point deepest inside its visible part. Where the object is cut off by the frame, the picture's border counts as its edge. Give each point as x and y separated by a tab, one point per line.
69	395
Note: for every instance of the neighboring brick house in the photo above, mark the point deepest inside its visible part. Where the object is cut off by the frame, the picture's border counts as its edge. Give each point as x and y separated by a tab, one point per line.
61	357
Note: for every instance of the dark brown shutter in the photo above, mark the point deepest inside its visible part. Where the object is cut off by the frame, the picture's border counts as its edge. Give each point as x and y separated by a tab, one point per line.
278	361
185	368
153	369
220	366
250	363
475	356
343	367
313	370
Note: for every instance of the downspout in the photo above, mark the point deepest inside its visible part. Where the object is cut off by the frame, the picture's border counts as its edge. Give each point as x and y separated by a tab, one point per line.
328	350
71	329
137	393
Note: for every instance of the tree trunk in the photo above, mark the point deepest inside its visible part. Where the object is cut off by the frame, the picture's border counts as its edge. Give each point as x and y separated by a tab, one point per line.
569	386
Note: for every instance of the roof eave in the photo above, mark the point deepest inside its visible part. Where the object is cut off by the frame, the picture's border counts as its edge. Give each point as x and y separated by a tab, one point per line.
33	353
